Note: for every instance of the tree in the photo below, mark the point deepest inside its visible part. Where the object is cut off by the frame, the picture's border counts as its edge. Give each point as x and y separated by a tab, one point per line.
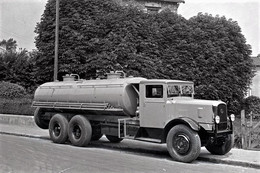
9	44
221	60
80	42
96	36
252	105
18	68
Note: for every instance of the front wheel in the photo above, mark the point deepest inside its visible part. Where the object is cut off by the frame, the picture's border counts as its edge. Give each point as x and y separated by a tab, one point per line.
183	144
221	148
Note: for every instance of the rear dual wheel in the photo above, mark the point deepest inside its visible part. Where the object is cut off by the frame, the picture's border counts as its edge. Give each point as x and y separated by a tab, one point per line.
78	130
58	129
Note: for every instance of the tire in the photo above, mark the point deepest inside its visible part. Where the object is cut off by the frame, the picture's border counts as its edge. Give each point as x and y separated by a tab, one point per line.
223	148
183	144
58	129
114	139
80	131
96	137
43	124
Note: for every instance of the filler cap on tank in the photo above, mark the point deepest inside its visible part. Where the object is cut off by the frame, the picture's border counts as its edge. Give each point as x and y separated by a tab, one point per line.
115	75
70	77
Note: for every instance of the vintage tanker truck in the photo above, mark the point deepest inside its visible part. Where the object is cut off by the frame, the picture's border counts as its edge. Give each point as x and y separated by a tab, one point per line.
152	110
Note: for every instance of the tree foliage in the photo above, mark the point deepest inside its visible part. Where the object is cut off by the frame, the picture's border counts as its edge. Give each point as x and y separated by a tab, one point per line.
18	67
9	44
11	90
100	35
223	66
252	105
96	35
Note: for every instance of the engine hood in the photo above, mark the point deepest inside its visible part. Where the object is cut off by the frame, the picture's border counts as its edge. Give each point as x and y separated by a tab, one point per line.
197	102
199	110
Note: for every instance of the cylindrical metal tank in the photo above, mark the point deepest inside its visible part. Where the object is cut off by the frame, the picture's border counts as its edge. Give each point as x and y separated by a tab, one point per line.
119	93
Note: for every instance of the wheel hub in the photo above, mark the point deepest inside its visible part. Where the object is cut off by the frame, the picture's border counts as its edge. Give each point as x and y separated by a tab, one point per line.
181	144
76	131
56	129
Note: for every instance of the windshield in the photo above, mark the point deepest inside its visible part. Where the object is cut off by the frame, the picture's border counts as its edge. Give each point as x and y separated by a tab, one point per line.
175	90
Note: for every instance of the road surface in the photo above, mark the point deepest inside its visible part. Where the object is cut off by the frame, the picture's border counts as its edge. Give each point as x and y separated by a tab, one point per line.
31	155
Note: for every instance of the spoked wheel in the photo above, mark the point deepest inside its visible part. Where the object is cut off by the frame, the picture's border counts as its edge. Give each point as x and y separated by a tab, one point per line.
183	144
58	129
80	131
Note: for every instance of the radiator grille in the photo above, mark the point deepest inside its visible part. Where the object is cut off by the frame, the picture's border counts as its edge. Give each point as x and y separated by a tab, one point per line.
222	113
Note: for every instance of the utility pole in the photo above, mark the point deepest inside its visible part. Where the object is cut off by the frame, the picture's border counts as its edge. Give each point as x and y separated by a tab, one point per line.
56	41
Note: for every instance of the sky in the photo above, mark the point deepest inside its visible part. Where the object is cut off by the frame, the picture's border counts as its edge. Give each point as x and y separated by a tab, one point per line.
18	18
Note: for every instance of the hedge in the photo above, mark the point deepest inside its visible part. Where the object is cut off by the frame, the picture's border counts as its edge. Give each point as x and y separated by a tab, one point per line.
17	106
11	90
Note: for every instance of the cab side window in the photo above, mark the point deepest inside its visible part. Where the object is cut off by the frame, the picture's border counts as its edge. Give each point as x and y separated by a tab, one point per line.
154	91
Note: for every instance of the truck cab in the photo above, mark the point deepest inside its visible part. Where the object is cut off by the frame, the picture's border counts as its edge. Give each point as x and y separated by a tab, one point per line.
167	104
162	101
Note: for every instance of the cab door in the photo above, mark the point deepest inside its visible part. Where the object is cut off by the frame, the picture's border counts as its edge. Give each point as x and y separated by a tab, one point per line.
152	105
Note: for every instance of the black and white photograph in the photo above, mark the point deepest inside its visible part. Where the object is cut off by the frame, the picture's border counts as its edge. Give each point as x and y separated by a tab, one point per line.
129	86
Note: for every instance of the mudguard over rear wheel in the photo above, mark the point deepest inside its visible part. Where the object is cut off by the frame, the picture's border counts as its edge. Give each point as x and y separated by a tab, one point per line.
183	143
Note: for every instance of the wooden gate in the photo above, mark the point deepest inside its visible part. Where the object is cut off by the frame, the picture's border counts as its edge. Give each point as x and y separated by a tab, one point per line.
250	128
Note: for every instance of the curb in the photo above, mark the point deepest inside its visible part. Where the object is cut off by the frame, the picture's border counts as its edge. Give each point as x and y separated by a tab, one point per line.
17	120
25	135
29	121
230	162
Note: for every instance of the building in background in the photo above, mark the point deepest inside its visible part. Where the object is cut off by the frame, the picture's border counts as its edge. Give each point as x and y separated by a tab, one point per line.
155	6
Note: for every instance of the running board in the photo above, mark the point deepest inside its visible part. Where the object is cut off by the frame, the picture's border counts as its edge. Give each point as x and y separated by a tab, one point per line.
148	140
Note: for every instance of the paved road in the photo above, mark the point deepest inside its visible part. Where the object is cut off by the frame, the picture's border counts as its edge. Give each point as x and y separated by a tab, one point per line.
27	155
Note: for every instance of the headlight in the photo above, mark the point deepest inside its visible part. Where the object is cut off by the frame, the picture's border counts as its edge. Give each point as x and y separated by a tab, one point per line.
217	119
232	117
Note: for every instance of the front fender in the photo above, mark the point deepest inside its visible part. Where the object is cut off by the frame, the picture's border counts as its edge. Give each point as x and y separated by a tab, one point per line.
181	120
